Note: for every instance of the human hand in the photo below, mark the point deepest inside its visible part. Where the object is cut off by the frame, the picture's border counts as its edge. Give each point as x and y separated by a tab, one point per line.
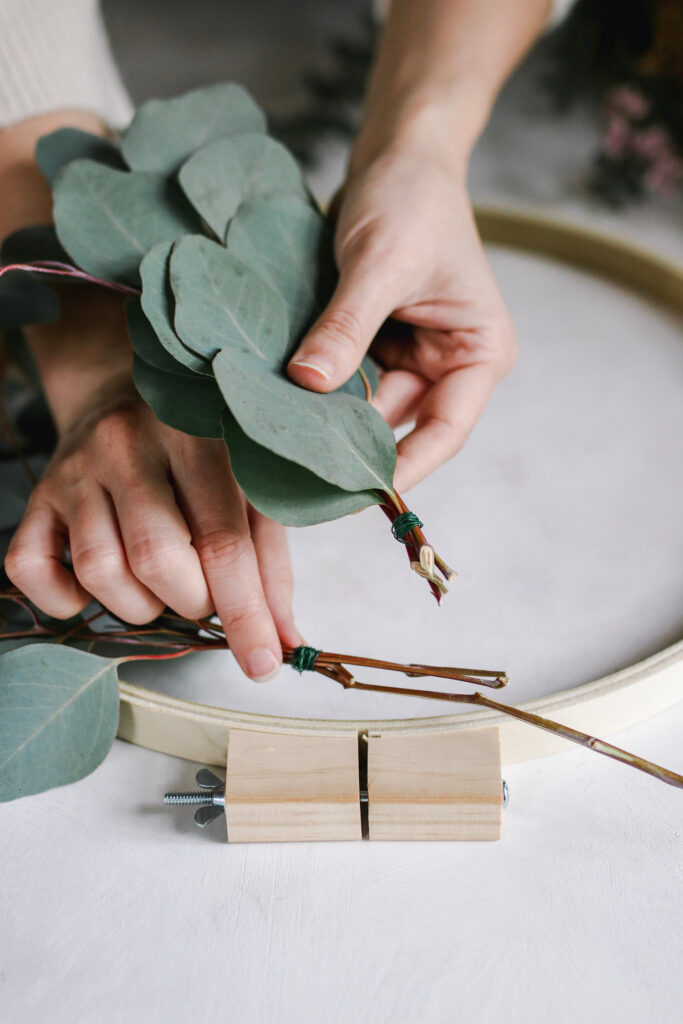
407	248
152	518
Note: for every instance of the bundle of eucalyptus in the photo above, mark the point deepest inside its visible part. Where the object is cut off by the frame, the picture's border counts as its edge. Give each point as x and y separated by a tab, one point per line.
59	689
205	222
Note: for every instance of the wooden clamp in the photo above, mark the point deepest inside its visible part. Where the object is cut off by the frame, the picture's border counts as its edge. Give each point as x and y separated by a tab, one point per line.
289	787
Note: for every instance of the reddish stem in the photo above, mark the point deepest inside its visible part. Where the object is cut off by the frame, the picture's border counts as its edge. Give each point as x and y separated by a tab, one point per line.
58	269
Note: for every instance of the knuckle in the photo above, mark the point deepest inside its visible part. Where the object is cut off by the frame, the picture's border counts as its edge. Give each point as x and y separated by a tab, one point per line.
340	328
96	565
21	564
241	616
451	434
220	548
154	558
114	428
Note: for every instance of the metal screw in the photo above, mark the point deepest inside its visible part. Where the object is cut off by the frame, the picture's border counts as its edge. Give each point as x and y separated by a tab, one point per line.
211	801
506	794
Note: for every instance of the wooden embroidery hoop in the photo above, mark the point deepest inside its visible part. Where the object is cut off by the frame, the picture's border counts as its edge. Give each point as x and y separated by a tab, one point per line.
199	732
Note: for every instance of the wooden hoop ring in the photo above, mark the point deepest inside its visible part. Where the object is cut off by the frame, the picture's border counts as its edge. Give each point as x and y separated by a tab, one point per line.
199	732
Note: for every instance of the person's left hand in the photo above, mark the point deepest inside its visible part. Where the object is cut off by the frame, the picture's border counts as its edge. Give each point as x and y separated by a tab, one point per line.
407	247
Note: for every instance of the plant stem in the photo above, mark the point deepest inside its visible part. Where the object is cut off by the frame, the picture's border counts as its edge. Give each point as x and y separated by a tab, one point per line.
58	269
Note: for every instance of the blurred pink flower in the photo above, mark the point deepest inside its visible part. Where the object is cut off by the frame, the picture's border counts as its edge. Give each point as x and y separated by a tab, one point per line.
651	143
629	101
664	174
615	140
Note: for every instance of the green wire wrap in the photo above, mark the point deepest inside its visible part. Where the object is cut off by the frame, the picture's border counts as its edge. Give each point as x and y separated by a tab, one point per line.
304	658
403	524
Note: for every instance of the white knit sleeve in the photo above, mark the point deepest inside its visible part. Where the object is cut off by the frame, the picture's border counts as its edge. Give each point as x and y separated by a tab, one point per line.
54	55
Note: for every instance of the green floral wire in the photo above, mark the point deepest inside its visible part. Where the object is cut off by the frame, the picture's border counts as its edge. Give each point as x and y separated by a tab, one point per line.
303	658
403	524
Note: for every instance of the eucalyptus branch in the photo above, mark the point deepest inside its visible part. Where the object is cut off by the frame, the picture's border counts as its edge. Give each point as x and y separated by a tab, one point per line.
160	642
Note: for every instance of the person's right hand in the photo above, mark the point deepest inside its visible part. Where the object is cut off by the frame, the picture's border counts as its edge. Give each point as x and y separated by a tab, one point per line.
152	518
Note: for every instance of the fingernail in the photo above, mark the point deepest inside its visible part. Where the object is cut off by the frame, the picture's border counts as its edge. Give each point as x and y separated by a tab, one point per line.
262	665
321	365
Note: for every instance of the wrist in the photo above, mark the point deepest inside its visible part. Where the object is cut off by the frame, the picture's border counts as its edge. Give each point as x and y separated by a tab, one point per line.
436	123
85	357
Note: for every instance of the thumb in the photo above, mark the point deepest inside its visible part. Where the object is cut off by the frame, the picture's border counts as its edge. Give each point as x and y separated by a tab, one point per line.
334	347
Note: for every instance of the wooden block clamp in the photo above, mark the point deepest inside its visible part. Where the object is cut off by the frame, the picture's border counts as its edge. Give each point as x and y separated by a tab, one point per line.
447	786
293	787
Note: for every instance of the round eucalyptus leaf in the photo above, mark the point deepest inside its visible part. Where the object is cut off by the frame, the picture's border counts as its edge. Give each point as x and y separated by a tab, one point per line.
164	133
59	710
146	343
27	245
107	220
224	174
340	438
57	149
282	489
192	403
290	245
221	302
158	303
24	299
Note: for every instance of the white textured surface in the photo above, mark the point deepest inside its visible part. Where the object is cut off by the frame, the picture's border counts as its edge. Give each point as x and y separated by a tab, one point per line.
116	909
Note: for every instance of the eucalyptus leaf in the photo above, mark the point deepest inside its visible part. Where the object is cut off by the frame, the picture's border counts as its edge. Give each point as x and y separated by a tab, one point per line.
163	133
339	437
108	220
355	385
158	303
146	343
224	174
25	300
27	245
192	404
283	490
59	148
290	245
221	302
58	715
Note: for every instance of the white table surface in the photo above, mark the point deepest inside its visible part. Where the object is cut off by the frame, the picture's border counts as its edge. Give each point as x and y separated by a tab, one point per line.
114	908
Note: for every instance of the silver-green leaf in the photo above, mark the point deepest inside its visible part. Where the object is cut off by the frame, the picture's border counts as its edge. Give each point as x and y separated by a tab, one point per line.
289	244
158	304
57	149
192	403
58	716
283	490
164	133
339	437
107	220
221	302
220	177
146	343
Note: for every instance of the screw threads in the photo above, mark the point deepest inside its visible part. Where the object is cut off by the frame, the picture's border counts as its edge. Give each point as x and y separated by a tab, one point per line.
188	798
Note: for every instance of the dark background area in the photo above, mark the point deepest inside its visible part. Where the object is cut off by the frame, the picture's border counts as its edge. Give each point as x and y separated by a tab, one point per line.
166	46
